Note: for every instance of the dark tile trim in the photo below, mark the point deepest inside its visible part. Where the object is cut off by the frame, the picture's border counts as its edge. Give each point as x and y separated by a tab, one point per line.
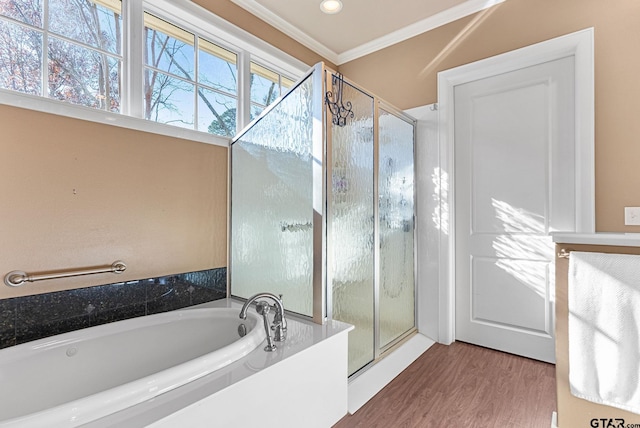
7	322
27	318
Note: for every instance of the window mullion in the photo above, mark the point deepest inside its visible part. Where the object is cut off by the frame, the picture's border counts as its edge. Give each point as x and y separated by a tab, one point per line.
244	90
133	86
196	79
45	49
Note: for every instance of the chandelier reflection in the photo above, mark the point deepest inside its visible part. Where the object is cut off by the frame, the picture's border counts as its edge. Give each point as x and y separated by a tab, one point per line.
339	109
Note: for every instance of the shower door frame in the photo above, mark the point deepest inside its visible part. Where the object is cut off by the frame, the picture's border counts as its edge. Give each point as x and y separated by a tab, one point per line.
378	104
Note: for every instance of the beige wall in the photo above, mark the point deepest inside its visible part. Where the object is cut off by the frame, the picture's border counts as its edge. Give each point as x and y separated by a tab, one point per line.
77	193
405	75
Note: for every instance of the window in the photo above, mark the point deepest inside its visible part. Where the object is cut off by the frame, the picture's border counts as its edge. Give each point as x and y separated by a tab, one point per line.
188	81
266	87
83	61
191	69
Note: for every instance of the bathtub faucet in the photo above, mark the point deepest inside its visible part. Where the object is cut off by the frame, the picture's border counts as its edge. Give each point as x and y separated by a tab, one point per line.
279	326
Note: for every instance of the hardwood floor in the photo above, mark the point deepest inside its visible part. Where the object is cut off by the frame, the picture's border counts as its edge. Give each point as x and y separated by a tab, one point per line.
463	385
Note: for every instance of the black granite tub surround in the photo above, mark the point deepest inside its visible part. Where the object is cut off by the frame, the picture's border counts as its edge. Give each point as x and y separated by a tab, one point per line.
7	322
27	318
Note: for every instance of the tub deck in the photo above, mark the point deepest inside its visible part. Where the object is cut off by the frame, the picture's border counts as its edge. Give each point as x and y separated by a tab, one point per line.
305	379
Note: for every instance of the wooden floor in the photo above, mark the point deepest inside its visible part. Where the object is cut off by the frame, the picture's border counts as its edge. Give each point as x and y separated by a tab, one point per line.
463	386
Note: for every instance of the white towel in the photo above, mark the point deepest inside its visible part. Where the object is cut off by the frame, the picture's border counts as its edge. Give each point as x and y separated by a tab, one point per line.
604	328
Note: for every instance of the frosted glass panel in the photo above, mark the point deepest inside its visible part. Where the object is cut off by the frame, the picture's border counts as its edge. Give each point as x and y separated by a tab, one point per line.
351	263
287	220
395	189
271	204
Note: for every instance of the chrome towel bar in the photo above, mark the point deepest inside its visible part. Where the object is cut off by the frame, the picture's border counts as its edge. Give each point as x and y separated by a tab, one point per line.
17	277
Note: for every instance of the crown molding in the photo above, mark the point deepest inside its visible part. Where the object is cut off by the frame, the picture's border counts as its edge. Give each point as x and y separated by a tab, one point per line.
467	8
290	30
457	12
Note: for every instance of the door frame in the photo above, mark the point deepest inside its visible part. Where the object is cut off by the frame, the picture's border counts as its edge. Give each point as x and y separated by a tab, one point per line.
580	46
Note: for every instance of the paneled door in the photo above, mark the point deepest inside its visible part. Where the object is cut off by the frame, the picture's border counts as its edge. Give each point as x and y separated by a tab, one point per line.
514	183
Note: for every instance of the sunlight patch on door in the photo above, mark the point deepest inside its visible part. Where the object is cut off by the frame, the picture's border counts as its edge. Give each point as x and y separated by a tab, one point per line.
526	239
523	272
440	215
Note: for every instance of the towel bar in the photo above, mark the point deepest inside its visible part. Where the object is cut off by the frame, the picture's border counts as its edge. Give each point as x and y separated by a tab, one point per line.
564	254
17	277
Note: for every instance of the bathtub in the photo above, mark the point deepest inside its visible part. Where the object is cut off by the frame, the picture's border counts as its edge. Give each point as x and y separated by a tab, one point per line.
78	377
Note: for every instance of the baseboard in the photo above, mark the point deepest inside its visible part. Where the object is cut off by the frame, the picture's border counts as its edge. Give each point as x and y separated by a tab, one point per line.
369	383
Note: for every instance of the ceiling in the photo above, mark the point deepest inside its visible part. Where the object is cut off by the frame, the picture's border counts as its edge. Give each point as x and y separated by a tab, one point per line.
363	26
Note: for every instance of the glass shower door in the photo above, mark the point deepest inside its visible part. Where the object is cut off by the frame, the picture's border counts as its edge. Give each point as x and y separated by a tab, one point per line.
351	224
396	227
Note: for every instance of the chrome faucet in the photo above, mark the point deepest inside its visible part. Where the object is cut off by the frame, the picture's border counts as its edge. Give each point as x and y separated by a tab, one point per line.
279	326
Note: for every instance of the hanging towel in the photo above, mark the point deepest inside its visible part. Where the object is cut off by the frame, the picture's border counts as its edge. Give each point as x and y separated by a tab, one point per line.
604	328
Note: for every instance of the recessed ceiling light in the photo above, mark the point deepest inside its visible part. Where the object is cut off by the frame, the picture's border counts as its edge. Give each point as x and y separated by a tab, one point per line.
331	6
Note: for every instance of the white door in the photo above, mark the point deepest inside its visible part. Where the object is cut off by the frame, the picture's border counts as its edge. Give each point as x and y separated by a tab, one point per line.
514	183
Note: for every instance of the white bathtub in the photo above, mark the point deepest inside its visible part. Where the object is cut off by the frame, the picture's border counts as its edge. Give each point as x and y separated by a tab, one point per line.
78	377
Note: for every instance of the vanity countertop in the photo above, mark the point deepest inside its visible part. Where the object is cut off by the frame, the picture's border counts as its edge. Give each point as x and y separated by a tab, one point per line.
601	238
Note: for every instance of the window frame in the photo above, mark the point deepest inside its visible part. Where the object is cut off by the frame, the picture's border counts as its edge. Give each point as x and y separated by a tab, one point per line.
193	18
281	88
198	82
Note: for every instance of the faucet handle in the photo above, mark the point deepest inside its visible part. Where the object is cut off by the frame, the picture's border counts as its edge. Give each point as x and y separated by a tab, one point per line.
279	331
275	304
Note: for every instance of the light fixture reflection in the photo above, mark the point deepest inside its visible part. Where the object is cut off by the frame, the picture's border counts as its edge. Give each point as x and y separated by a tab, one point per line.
331	6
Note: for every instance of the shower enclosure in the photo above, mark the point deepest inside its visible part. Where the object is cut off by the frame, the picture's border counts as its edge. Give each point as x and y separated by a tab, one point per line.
322	211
